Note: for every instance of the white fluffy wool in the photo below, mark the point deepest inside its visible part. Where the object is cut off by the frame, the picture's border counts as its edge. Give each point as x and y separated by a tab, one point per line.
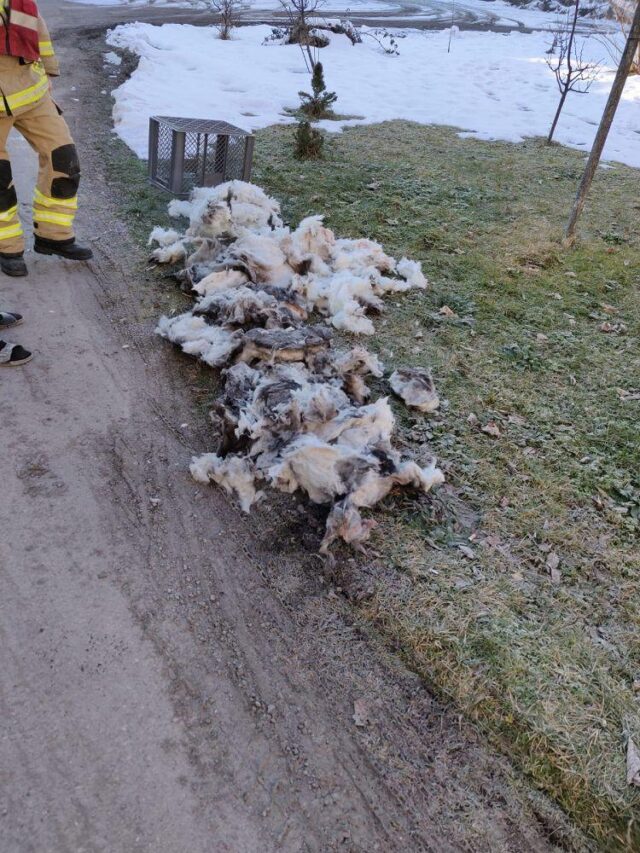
231	207
234	474
311	465
411	271
343	279
361	427
360	361
195	336
238	307
171	253
220	282
348	298
416	388
318	403
359	255
292	412
163	236
262	259
375	487
179	207
310	243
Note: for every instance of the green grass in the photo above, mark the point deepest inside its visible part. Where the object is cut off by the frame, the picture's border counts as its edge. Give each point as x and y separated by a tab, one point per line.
142	205
545	665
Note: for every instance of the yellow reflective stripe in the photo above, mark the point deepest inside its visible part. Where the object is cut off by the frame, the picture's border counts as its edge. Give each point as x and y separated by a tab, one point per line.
7	215
26	96
46	201
51	216
46	48
10	231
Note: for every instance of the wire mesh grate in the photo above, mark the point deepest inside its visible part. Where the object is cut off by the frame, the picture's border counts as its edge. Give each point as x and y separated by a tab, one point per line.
186	153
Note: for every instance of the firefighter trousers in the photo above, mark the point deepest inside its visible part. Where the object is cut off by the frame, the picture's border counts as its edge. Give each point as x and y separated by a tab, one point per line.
55	199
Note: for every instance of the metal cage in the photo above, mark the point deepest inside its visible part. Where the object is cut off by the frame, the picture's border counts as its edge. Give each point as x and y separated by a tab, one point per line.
186	152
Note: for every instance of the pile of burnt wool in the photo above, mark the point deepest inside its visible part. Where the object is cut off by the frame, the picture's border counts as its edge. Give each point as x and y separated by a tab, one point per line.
295	411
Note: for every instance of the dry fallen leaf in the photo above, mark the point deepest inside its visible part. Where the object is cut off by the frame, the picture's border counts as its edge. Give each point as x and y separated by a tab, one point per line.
626	395
633	764
468	552
613	328
516	420
492	429
552	561
541	338
445	311
361	713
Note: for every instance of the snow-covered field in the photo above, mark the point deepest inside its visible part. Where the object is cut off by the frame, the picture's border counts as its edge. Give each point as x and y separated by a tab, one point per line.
490	85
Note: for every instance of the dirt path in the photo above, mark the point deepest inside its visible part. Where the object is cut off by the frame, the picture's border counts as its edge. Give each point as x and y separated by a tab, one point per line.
421	15
173	677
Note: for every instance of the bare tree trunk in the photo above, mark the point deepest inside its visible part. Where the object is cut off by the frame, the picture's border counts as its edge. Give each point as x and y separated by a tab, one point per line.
565	84
557	116
605	124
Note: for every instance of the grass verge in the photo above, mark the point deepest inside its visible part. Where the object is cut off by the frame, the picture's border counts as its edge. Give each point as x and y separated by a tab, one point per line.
514	590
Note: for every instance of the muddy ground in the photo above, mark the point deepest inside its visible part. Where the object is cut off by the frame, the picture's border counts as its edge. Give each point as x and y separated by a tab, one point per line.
176	676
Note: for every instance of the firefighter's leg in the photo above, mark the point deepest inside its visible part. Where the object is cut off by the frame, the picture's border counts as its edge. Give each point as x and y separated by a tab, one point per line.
55	200
11	237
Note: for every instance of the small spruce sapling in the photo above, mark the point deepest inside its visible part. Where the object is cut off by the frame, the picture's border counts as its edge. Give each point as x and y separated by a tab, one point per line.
309	142
318	105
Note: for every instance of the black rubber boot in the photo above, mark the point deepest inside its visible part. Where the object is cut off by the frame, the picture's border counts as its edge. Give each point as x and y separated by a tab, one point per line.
13	264
68	249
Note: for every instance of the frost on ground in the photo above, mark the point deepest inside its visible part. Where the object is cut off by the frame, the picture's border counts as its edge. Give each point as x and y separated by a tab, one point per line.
491	85
294	412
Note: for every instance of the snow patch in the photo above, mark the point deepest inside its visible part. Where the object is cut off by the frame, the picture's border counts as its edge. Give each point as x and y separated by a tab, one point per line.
490	85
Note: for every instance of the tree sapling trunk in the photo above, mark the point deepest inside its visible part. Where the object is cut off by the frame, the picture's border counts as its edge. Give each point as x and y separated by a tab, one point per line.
572	72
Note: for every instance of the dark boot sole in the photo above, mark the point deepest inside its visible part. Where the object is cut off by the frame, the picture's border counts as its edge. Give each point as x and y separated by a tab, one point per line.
16	363
14	274
46	251
11	325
